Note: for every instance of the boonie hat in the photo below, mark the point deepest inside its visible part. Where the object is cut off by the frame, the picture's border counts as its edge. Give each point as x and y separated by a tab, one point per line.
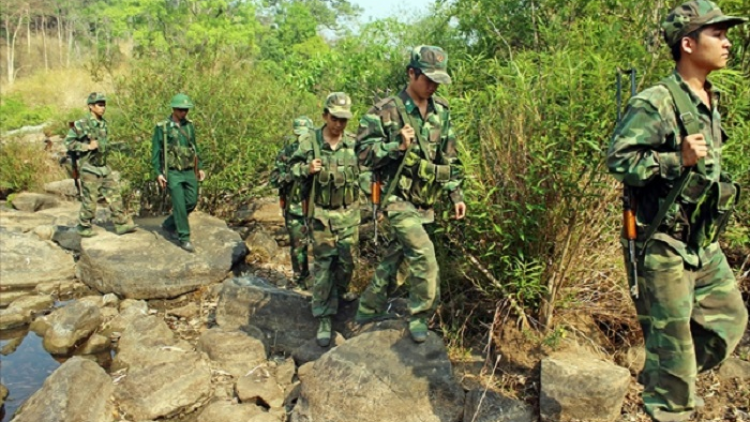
694	15
432	61
339	105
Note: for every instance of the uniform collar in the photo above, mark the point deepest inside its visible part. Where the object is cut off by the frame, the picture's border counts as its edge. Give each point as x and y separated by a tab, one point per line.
348	138
708	86
96	121
411	106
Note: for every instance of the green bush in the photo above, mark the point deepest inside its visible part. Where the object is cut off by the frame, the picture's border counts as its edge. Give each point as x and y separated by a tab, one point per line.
24	167
14	113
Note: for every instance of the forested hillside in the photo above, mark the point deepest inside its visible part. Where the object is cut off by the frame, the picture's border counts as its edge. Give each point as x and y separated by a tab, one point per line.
533	104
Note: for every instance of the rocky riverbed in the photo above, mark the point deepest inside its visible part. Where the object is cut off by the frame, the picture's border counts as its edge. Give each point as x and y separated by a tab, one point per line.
133	328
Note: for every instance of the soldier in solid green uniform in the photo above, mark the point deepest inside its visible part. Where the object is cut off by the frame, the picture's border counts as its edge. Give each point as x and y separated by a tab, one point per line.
408	142
290	196
326	163
667	151
176	160
88	140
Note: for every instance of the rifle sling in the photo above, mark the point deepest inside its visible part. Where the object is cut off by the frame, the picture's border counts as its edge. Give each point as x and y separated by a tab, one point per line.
316	143
687	118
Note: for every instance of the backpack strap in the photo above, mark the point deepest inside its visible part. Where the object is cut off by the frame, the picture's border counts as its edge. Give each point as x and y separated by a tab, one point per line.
316	141
687	119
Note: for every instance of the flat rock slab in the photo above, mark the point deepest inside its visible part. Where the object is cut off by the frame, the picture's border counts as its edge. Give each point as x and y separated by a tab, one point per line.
735	368
283	315
28	261
65	214
145	265
71	325
381	373
31	202
147	340
490	406
260	387
234	352
79	390
229	412
581	387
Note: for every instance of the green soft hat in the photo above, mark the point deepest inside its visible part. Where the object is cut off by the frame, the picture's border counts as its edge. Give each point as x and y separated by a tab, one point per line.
694	15
96	97
432	61
339	105
181	101
302	124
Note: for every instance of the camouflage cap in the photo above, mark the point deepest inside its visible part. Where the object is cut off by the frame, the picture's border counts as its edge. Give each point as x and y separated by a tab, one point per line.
302	124
181	101
96	97
694	15
432	61
339	105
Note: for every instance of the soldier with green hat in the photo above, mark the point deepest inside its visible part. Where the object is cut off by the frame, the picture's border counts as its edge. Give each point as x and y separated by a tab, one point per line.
176	160
88	140
407	140
326	164
290	199
667	151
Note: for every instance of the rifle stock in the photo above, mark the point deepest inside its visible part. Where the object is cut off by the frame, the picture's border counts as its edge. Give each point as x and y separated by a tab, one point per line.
375	197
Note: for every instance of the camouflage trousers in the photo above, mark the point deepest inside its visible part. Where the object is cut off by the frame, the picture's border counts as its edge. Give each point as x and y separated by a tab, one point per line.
183	188
298	241
692	319
336	255
409	242
92	186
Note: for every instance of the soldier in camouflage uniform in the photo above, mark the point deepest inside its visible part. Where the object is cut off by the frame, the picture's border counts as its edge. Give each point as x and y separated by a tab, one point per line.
408	141
689	306
176	160
88	139
326	163
290	194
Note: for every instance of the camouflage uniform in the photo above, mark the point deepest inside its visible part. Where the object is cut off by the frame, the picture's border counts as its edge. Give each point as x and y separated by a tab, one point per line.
689	307
96	177
335	209
425	174
182	154
291	197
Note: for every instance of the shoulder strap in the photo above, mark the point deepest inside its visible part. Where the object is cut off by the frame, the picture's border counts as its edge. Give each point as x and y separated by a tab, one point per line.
406	117
686	114
394	181
316	141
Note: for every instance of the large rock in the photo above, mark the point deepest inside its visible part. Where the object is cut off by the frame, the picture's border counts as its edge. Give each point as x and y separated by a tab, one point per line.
735	368
66	214
147	341
3	395
28	261
70	325
31	202
64	188
145	265
381	373
6	297
165	389
260	387
234	352
222	411
310	351
489	406
261	247
21	311
283	315
598	393
79	390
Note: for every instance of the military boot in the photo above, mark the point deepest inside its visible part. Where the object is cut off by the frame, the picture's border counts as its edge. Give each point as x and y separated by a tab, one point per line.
363	316
324	331
187	245
86	231
125	228
418	329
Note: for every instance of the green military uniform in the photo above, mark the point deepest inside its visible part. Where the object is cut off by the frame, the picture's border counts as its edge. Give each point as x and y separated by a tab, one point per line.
333	196
689	306
182	154
412	182
95	175
290	193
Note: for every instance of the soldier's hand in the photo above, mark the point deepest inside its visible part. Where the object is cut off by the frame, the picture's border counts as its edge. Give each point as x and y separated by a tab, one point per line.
93	145
460	209
407	135
694	148
162	181
316	165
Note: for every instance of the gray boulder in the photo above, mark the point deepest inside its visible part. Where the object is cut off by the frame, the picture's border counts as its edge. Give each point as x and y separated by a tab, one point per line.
223	411
21	310
70	326
309	351
735	368
234	352
148	341
64	188
79	390
260	387
381	373
490	406
261	247
28	261
6	297
165	389
145	265
31	202
598	393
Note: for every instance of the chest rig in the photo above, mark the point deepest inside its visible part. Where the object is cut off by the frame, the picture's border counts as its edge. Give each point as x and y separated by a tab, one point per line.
336	185
86	133
178	156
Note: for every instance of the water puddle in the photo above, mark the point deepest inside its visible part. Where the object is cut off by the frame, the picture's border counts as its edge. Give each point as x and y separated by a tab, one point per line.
24	365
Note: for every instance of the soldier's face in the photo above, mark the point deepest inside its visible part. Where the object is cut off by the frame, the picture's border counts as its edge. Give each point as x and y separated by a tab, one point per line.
336	125
711	50
422	86
179	113
98	109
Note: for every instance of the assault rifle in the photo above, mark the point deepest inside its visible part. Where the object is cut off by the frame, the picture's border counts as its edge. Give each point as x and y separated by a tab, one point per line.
73	155
628	199
375	197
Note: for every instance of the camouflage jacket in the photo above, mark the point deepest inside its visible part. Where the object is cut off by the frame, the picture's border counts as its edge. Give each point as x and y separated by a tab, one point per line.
340	174
378	143
645	154
77	142
282	179
180	137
